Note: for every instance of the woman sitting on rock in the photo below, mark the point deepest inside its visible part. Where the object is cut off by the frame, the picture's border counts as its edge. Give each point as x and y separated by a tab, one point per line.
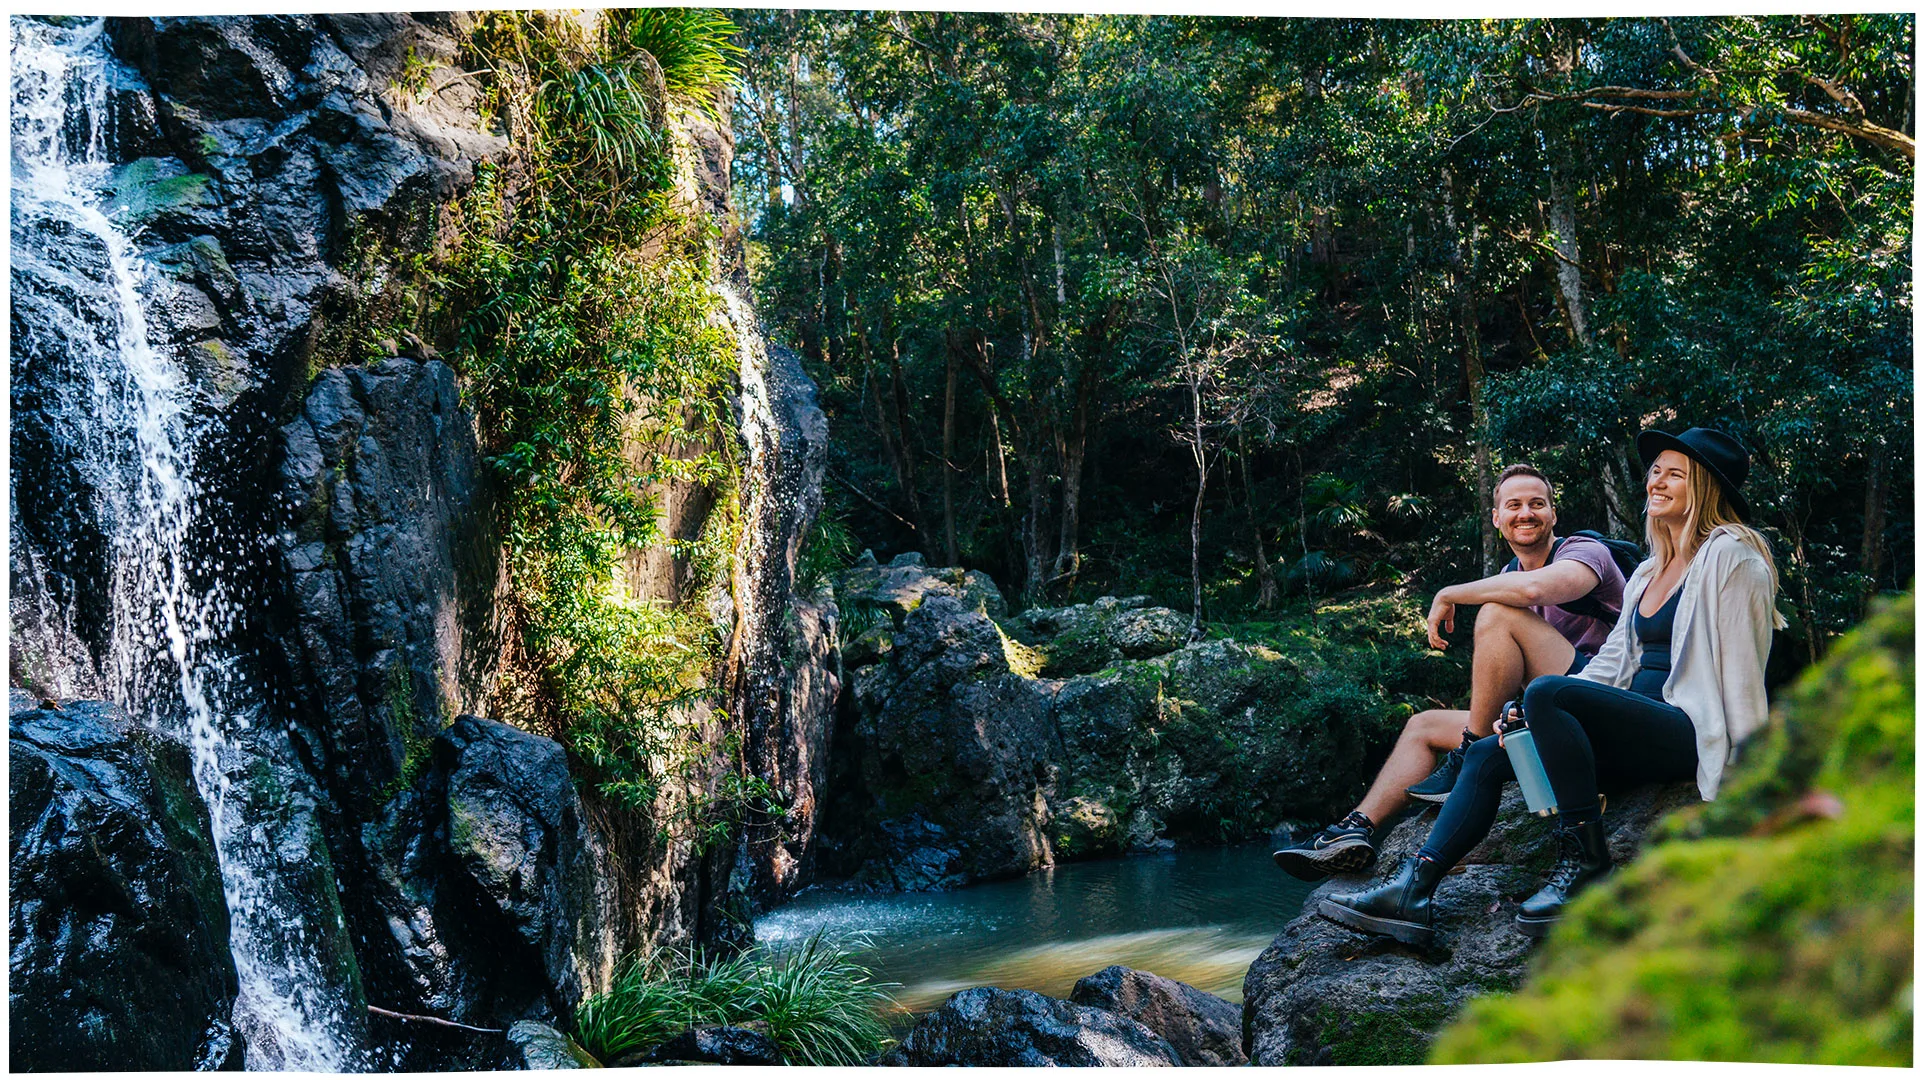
1677	684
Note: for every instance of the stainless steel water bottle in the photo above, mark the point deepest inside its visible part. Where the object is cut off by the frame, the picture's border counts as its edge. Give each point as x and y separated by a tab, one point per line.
1534	785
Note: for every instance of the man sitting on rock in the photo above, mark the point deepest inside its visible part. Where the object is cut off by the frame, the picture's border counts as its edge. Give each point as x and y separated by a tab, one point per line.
1524	630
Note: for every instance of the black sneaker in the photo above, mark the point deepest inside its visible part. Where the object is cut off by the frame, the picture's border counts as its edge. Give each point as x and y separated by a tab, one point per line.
1345	847
1440	781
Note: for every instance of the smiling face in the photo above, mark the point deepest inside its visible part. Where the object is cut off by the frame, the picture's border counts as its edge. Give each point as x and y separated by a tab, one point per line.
1667	493
1523	511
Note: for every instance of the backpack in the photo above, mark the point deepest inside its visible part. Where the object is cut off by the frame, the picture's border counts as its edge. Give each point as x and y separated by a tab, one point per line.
1626	555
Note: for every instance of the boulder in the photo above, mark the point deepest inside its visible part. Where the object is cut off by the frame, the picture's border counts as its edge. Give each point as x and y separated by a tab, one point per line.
1087	637
532	1045
1202	1028
953	746
979	747
1323	994
117	922
1000	1028
505	899
716	1045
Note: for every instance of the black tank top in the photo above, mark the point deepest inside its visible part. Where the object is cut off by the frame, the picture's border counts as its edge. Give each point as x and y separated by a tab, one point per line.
1655	632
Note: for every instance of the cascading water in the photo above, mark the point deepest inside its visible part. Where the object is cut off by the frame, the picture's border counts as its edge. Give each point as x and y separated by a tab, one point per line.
131	419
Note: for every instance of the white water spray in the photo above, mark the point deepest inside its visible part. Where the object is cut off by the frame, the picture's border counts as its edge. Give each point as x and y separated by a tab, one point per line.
169	618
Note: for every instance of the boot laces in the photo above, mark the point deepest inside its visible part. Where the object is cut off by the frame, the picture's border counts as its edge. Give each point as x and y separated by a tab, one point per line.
1569	864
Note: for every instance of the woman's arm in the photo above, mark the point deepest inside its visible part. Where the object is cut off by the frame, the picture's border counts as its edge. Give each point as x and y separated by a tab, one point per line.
1745	639
1609	665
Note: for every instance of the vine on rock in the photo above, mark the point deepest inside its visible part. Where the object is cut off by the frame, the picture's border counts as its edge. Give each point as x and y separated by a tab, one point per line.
579	296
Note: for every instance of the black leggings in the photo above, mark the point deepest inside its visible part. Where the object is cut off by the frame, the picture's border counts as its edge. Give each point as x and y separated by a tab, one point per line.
1584	731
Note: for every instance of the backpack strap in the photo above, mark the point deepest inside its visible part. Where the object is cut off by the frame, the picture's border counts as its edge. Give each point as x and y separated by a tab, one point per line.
1513	564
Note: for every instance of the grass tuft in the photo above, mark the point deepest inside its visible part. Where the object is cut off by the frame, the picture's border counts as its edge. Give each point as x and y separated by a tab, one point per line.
818	1004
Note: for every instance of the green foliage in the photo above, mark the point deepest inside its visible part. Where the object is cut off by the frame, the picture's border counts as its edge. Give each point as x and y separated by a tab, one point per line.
693	48
597	357
1775	923
1337	237
816	1002
829	548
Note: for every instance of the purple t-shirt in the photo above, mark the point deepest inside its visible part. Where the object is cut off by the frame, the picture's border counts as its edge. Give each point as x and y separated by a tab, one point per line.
1586	632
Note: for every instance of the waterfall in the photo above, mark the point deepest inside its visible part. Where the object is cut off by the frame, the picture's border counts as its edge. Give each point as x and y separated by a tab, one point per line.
136	425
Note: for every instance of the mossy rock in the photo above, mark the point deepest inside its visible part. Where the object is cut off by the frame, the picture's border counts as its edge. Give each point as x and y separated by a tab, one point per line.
1775	924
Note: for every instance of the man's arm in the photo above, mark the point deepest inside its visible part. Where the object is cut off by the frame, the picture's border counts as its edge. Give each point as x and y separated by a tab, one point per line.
1554	583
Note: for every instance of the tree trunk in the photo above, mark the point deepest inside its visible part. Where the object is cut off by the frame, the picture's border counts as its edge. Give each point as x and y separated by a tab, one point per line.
997	464
1072	460
1873	531
903	422
1306	575
1472	371
1561	186
1262	570
1618	523
1194	387
794	140
1809	620
946	456
1059	267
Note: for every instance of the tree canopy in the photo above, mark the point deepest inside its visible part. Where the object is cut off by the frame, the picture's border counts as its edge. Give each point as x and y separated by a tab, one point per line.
1227	310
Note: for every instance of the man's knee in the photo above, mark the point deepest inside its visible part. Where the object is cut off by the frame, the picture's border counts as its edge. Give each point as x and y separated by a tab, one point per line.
1500	619
1434	726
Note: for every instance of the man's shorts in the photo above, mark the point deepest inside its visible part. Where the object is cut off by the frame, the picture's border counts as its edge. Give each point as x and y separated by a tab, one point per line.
1580	660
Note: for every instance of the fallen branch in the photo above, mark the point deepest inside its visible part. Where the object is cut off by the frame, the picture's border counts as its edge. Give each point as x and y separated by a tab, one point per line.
870	500
378	1011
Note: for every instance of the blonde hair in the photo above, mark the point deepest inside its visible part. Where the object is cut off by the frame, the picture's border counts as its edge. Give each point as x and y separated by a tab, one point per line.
1707	510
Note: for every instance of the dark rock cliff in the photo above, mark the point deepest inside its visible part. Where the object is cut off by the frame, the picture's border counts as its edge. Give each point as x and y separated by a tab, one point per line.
975	746
456	867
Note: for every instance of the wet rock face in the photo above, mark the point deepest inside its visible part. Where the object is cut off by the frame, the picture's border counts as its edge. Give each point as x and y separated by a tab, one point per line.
978	748
391	554
784	684
1202	1028
254	158
117	924
993	1027
1323	994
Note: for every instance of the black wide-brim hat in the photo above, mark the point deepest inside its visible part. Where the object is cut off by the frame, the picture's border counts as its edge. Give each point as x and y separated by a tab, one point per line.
1714	450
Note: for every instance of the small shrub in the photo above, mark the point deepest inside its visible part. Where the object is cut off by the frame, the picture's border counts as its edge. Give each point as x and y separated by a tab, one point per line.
819	1005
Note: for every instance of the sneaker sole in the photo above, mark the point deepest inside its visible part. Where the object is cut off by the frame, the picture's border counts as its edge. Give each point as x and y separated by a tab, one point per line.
1407	933
1344	859
1298	867
1424	797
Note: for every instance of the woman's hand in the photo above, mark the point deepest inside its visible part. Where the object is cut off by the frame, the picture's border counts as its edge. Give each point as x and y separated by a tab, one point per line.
1500	724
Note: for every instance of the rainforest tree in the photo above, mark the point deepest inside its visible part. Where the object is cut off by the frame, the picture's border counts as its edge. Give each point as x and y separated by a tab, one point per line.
1228	310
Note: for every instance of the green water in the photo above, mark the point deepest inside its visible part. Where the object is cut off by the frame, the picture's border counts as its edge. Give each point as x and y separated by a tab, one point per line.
1198	916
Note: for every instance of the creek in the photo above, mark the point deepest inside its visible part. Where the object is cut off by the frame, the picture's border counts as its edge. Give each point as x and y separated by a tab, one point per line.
1200	916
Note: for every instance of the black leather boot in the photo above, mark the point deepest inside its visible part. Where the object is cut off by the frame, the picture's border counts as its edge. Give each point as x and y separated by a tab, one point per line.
1399	907
1584	859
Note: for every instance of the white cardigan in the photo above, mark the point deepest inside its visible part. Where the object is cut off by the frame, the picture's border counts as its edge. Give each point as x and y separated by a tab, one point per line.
1722	633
